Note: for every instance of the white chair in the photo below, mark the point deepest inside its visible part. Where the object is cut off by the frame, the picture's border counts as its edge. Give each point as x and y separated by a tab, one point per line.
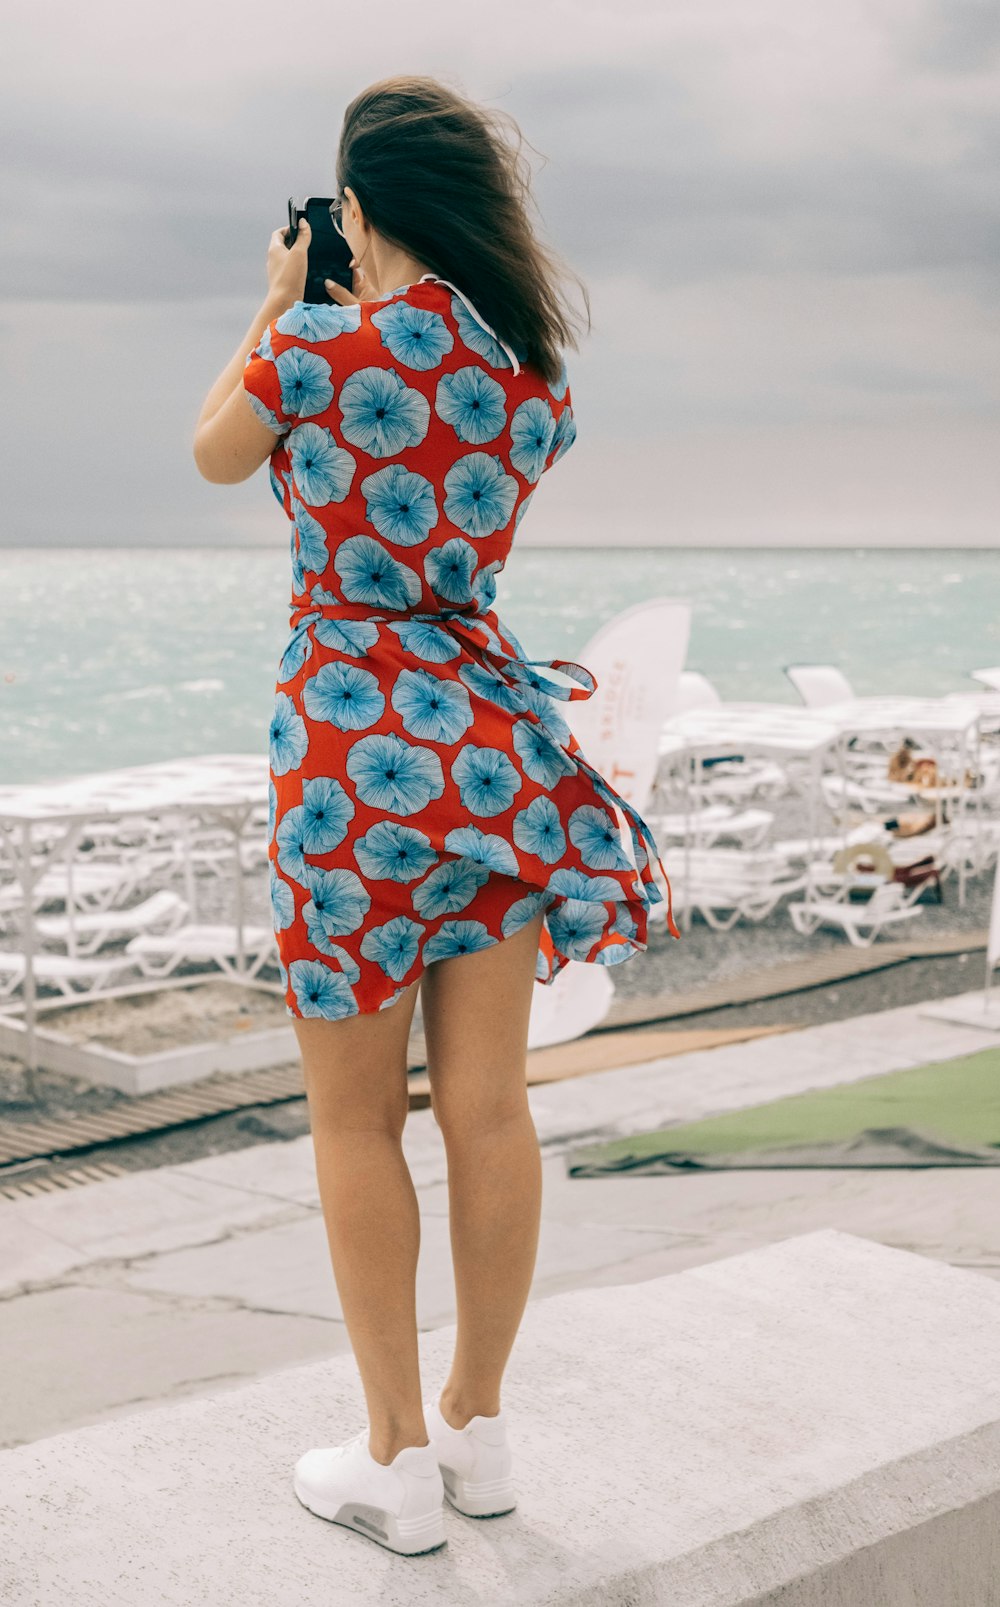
158	955
705	826
726	885
819	684
990	678
70	975
861	923
85	934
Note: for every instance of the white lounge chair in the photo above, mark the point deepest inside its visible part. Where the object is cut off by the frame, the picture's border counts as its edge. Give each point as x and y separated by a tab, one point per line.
990	677
729	884
706	825
69	974
889	904
159	955
819	684
85	934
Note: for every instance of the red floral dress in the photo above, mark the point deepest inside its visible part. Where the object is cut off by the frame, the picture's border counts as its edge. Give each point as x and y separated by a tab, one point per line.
427	797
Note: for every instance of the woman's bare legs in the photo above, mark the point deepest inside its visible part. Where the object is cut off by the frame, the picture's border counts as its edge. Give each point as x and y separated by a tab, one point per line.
475	1010
476	1022
355	1075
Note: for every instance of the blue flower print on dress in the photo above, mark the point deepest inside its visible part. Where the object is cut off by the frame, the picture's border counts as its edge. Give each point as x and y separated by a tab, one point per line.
345	696
282	902
306	386
313	551
490	686
575	927
577	884
321	992
290	837
624	923
353	636
339	899
393	946
279	484
327	812
486	780
287	737
268	417
392	852
565	434
479	494
558	385
543	707
476	337
380	414
319	940
322	470
449	888
595	833
272	809
394	776
457	937
298	573
416	337
472	403
531	431
400	505
468	842
430	642
449	570
431	708
314	320
523	911
369	574
537	830
542	760
521	508
294	656
484	585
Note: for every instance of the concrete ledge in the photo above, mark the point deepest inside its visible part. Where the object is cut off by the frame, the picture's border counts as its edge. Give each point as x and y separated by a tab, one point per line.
816	1423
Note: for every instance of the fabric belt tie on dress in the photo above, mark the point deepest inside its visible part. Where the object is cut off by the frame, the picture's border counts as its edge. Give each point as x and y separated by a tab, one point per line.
482	632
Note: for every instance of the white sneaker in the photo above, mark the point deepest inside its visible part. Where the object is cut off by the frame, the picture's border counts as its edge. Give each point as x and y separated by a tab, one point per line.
475	1462
400	1504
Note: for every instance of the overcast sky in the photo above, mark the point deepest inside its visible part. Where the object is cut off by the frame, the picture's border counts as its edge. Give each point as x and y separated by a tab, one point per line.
785	211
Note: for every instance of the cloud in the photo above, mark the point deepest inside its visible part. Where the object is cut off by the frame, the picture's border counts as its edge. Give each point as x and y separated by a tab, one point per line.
786	214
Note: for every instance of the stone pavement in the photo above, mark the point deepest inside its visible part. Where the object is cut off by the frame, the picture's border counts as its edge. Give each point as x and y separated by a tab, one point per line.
813	1422
197	1276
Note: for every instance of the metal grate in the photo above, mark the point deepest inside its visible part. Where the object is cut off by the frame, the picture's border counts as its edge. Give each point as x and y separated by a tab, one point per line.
51	1181
149	1113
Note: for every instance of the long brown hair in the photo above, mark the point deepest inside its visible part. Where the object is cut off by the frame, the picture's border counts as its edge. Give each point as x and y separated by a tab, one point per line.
438	176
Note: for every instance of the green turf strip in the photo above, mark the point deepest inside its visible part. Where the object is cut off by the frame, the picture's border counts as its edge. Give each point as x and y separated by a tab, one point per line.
955	1099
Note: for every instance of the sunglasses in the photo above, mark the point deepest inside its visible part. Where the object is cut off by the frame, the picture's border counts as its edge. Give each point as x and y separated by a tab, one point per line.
336	207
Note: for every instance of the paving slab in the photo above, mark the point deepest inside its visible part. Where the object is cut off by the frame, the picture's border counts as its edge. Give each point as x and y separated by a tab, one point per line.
812	1423
81	1354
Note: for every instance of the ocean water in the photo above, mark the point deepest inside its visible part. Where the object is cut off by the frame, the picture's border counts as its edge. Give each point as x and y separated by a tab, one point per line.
111	657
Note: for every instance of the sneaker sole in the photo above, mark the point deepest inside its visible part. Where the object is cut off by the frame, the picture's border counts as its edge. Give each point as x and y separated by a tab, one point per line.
491	1498
412	1537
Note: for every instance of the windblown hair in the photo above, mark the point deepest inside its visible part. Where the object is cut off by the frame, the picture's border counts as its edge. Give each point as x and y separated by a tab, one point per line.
438	177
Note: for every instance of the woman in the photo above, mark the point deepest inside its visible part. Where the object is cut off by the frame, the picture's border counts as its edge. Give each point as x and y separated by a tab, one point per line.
434	824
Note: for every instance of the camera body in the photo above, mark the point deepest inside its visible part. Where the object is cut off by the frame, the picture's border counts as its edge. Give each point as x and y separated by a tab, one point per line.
329	253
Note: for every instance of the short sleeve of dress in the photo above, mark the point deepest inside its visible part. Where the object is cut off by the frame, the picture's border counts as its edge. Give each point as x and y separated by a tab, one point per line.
262	383
286	376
